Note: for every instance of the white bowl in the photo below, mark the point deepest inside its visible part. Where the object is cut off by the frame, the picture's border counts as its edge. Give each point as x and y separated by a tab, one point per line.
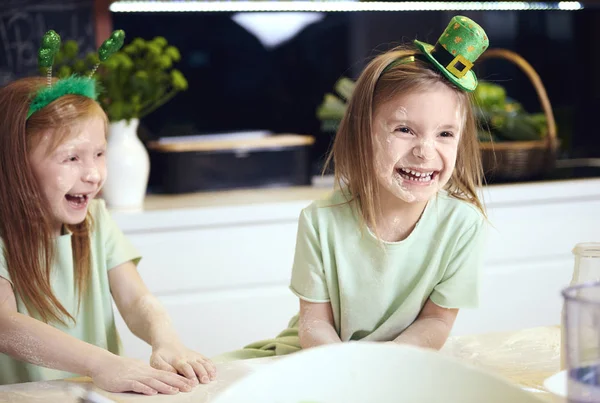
557	385
361	372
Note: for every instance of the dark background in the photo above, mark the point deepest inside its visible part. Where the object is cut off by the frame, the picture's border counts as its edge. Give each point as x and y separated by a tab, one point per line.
236	83
239	84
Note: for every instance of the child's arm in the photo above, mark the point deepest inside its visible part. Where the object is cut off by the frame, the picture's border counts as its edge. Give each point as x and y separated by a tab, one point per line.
33	341
315	326
148	320
431	328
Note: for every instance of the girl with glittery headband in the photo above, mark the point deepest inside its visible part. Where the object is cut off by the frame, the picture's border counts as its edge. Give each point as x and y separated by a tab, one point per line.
395	251
63	260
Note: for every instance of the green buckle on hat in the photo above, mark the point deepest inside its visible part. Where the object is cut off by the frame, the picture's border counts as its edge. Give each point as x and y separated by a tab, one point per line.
453	66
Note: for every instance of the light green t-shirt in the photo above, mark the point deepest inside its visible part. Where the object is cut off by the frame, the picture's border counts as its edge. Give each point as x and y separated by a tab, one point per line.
95	320
375	294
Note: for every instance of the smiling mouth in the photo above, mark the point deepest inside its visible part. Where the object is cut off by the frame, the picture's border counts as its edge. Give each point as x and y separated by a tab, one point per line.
77	200
417	176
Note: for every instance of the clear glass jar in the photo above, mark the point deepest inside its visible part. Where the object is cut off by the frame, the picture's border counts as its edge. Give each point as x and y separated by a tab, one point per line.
587	263
585	270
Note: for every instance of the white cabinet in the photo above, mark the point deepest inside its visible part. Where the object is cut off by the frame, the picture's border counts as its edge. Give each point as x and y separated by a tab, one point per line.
529	259
224	283
217	321
216	258
222	271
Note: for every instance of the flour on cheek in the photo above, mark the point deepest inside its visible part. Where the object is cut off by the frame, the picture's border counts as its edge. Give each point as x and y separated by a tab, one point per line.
65	182
56	190
386	156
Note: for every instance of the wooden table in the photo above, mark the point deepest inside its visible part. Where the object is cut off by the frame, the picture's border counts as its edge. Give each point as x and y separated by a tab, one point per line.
525	357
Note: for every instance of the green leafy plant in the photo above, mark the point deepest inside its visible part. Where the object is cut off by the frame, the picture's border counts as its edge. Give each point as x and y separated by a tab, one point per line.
505	119
67	61
332	108
134	81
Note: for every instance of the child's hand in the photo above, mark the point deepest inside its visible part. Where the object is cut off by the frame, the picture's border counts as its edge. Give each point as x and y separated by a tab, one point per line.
175	357
120	374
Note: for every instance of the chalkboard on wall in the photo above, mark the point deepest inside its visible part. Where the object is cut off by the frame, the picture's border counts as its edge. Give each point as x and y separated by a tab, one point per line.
24	22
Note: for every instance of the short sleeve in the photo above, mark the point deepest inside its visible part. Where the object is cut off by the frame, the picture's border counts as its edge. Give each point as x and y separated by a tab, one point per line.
3	266
118	247
308	277
460	284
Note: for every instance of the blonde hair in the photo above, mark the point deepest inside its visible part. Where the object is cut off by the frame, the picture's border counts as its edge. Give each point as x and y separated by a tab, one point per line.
26	228
352	152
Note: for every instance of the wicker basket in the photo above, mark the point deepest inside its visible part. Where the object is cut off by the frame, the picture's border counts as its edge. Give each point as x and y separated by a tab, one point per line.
519	160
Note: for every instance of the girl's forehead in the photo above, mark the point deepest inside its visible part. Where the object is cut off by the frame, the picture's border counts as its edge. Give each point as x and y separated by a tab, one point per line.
87	133
436	93
434	103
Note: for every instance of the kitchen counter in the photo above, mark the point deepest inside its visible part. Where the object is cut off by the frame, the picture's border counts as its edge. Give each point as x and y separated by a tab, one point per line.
249	206
252	196
525	357
568	174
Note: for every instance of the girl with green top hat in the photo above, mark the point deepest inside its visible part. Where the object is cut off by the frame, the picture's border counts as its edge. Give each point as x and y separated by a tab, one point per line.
63	260
394	252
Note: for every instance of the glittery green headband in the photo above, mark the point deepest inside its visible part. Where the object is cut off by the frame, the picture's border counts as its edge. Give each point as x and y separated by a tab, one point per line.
402	60
76	85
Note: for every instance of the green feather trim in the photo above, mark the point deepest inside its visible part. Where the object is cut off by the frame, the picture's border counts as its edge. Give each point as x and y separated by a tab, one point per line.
74	85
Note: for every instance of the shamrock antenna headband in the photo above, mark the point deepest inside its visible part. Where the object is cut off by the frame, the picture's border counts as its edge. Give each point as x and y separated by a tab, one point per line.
76	85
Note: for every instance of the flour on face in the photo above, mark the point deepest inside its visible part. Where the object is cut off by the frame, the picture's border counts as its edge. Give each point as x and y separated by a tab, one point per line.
71	175
415	139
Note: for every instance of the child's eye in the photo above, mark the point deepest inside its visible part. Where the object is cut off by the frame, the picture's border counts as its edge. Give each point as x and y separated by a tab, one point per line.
447	134
100	154
71	159
403	129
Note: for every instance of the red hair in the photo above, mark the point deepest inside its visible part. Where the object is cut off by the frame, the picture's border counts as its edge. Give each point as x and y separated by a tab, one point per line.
25	216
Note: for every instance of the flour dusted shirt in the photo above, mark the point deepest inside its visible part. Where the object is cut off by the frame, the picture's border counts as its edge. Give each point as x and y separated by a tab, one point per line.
377	290
95	320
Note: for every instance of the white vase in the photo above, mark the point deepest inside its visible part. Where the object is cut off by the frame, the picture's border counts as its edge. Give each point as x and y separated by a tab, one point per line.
127	165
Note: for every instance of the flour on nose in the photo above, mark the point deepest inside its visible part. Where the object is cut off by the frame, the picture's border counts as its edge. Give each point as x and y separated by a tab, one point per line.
425	150
93	175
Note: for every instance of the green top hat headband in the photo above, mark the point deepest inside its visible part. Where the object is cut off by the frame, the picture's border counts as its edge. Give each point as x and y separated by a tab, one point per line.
85	86
455	52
